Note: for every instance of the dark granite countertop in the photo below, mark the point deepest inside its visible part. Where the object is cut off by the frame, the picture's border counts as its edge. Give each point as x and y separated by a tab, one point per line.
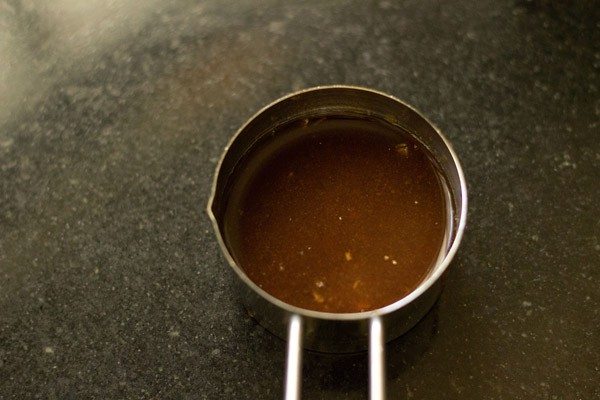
112	115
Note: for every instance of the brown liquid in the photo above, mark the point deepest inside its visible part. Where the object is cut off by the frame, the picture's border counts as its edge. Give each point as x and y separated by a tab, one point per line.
338	215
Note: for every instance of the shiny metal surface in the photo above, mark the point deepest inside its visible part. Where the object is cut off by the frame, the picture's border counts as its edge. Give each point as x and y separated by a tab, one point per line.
293	373
376	360
340	332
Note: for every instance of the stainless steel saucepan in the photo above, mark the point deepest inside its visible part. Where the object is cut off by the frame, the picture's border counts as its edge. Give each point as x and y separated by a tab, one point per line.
341	332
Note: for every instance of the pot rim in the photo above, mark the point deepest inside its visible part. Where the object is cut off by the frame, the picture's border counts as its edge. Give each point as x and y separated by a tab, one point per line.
439	269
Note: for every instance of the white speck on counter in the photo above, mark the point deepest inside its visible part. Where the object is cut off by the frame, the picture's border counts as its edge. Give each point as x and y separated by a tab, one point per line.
320	284
386	258
48	350
526	303
394	262
567	163
173	333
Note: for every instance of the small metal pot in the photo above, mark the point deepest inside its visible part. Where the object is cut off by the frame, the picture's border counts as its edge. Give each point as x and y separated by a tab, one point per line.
340	332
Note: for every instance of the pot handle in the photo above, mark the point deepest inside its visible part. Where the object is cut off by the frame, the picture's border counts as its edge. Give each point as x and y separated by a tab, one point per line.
376	359
293	370
293	376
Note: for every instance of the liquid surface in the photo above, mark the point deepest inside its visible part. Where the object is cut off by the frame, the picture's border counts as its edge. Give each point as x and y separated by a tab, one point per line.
337	215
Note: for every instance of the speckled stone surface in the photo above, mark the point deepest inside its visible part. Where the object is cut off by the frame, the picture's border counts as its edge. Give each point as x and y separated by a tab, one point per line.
112	115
